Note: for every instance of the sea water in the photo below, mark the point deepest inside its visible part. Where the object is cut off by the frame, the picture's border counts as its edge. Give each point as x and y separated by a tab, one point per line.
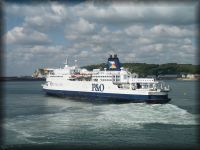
31	117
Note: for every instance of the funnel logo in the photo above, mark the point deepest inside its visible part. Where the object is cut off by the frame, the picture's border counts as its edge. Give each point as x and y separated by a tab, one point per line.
112	65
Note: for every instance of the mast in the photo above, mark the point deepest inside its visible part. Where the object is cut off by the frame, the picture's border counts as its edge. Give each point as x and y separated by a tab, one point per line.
66	62
75	63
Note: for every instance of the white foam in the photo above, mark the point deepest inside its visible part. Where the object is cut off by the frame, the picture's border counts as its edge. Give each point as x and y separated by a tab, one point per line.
131	114
99	117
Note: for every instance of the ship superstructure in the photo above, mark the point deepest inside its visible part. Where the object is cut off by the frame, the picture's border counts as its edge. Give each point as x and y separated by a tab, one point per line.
113	82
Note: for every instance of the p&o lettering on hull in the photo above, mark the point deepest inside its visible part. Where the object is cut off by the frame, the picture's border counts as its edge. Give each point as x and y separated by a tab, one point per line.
97	87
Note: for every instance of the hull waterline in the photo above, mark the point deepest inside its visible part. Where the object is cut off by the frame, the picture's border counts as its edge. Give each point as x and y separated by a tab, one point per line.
151	99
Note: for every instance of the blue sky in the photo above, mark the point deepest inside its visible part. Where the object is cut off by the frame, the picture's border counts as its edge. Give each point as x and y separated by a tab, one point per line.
43	34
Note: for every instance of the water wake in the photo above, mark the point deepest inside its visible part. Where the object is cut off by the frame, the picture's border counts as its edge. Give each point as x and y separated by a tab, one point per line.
77	116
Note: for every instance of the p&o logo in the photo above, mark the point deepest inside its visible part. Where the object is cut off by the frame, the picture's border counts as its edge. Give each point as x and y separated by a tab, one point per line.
97	87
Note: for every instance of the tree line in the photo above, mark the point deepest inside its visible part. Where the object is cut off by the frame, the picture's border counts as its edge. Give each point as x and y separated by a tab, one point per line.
144	69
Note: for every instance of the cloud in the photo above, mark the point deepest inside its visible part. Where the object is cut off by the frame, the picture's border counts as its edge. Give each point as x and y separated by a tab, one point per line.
170	31
128	12
132	36
36	51
58	9
83	26
78	29
150	33
41	17
134	30
160	30
41	49
28	58
21	35
45	21
105	30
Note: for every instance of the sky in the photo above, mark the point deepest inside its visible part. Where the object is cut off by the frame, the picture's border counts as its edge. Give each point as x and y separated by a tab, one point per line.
43	34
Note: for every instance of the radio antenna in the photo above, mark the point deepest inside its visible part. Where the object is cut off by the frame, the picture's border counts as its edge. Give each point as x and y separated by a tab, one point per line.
66	61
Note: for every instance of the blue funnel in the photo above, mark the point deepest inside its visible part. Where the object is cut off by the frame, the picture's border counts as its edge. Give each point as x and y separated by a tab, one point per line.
113	63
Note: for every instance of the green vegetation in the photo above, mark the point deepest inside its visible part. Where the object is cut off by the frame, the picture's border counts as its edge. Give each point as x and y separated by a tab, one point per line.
97	66
144	69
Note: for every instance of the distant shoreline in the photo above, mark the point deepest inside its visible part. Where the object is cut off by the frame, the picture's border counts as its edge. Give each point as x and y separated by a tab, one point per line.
21	79
44	79
187	79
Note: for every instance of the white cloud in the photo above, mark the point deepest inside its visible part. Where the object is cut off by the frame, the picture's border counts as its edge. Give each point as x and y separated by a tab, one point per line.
34	55
41	49
41	17
45	21
187	41
97	48
144	40
170	31
35	20
127	12
79	29
27	59
58	9
144	43
83	26
135	30
84	54
21	35
105	30
150	33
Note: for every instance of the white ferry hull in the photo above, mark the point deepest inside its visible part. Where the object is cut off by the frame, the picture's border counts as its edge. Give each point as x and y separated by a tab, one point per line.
110	96
86	90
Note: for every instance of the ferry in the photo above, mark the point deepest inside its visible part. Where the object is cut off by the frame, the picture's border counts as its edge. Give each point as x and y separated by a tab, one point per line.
111	83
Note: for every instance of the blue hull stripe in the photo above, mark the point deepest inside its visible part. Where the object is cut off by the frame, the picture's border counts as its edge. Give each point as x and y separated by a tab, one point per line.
124	97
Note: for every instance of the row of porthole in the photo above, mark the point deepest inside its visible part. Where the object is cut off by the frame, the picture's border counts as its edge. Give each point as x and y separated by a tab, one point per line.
106	80
144	80
101	76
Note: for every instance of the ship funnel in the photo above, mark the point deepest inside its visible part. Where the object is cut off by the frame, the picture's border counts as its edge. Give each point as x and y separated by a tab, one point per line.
113	63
